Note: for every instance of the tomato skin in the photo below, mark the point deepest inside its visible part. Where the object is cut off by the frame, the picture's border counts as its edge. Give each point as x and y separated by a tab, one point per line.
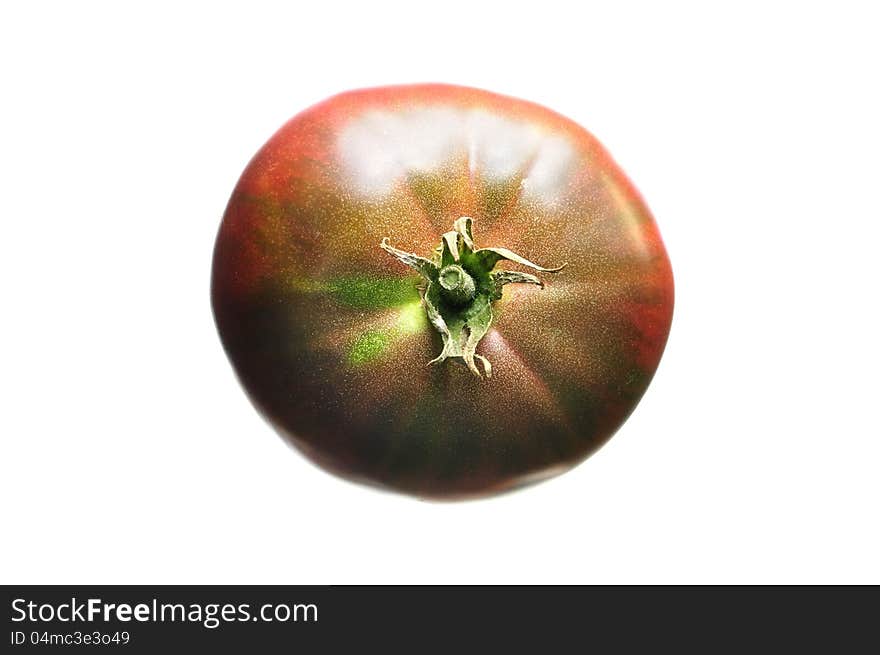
329	336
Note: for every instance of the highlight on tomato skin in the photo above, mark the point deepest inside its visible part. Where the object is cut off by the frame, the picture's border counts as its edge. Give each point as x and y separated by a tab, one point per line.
386	228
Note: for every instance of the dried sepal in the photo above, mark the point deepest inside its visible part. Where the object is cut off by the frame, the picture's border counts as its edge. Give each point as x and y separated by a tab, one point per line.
425	267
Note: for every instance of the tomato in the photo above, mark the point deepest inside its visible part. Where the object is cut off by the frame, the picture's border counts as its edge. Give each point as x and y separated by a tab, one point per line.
440	290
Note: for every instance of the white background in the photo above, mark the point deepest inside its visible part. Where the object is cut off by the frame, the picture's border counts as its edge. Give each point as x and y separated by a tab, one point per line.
131	455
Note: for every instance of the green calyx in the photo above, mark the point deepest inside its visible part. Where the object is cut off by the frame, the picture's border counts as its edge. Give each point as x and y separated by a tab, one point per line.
461	286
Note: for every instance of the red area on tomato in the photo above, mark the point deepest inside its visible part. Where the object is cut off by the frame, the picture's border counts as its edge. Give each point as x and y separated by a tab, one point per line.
385	228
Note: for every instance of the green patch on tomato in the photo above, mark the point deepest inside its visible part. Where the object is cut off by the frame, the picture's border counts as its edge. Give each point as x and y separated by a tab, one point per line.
371	344
373	293
368	346
412	318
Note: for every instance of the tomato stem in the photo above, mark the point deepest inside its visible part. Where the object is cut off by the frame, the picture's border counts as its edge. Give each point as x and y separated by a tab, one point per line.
458	287
461	287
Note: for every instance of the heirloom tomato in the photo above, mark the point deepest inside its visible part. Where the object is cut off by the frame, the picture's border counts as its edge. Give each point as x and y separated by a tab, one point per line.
440	290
